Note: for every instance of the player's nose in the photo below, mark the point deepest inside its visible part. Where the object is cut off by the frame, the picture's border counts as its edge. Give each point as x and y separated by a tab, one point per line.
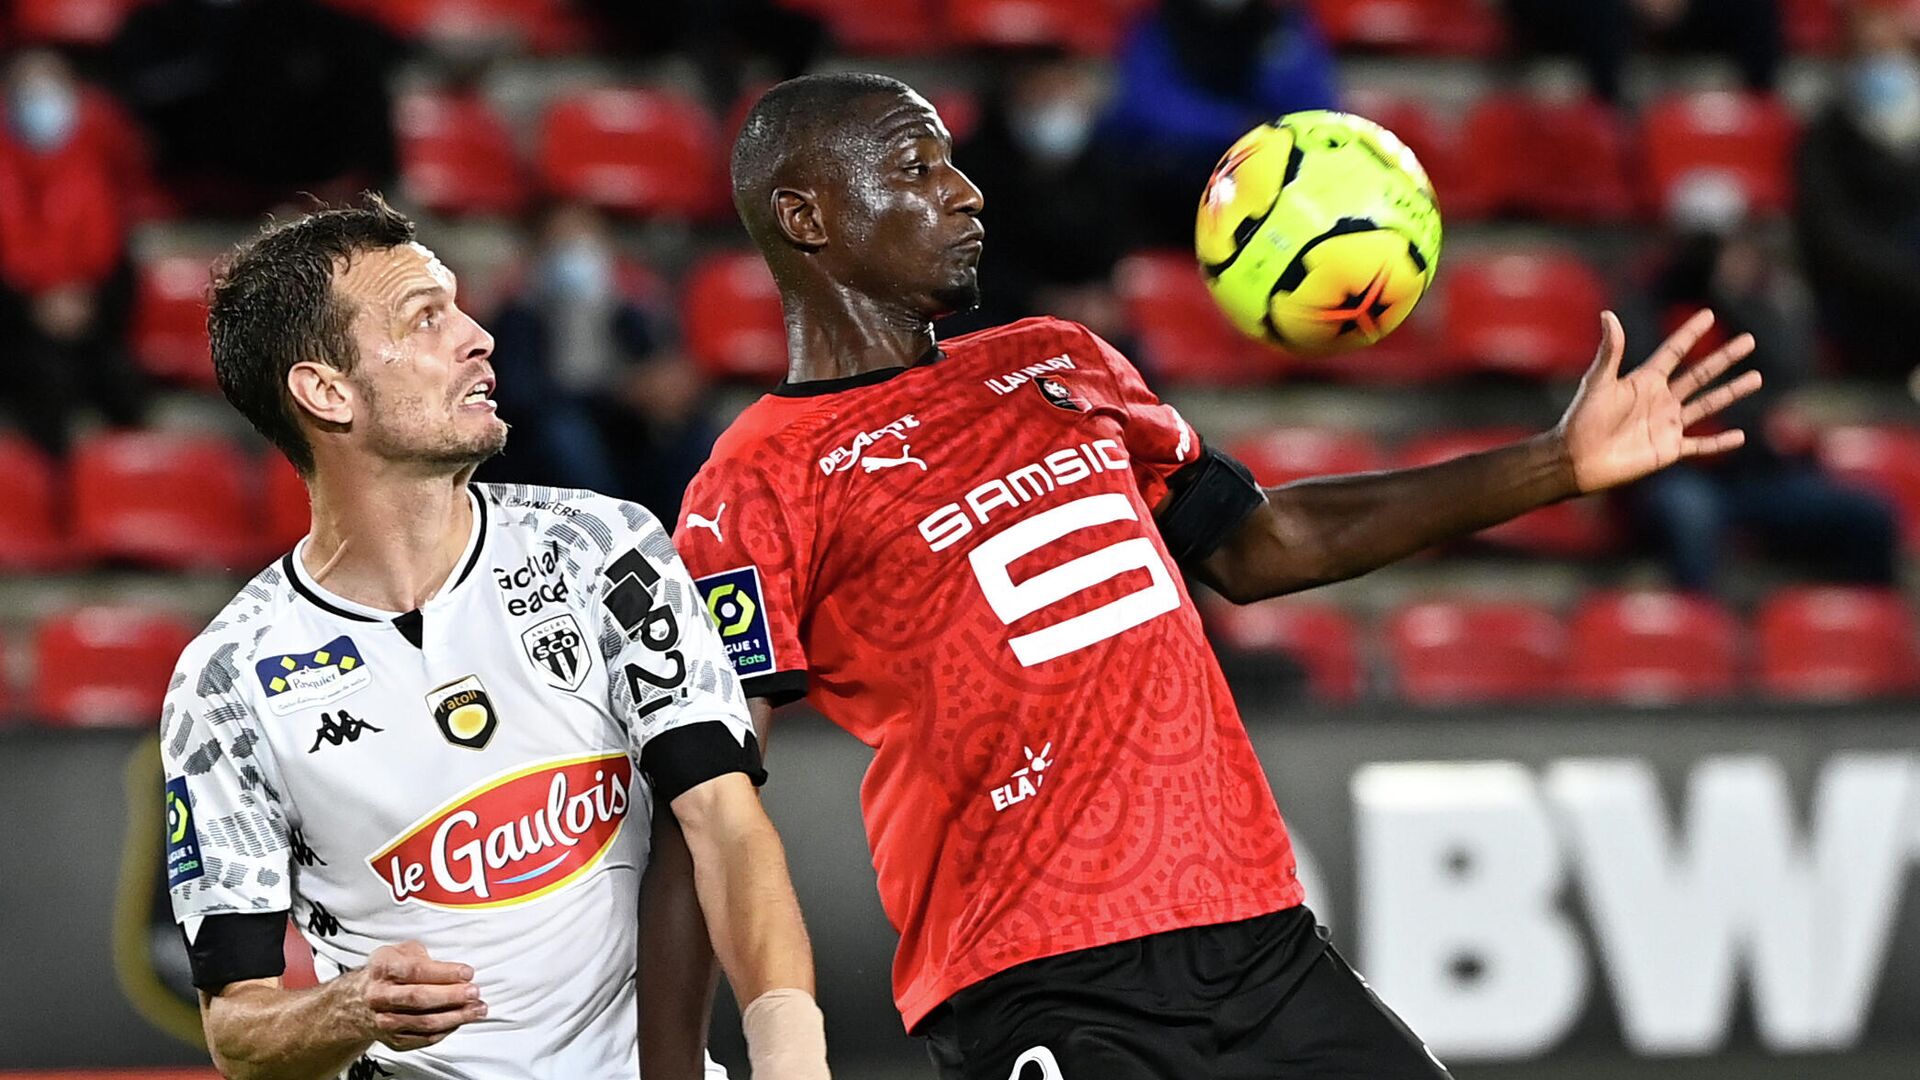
967	196
479	344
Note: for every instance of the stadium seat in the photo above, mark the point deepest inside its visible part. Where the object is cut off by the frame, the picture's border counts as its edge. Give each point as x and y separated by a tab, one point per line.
1183	336
1575	529
457	156
1837	643
1450	652
1087	26
1745	139
288	512
1446	27
1565	160
1812	26
1282	455
636	151
70	22
1464	189
544	26
106	665
1535	314
1320	638
731	312
170	320
1882	459
894	28
31	537
165	500
1648	648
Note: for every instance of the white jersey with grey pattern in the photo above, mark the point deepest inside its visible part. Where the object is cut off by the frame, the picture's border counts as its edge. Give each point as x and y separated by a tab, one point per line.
467	776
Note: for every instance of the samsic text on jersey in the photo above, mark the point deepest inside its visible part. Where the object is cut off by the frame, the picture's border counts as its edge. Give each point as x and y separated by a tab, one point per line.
957	563
478	775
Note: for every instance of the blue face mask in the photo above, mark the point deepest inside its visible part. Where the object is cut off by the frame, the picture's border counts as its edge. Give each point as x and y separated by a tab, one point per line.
43	115
1885	90
578	270
1055	133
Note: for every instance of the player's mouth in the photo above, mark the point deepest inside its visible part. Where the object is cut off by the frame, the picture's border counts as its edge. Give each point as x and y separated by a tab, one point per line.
479	396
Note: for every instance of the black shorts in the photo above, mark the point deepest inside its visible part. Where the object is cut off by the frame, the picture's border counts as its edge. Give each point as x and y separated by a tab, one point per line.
1262	999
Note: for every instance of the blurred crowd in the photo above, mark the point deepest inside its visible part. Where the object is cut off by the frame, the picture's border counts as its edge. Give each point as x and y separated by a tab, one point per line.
229	109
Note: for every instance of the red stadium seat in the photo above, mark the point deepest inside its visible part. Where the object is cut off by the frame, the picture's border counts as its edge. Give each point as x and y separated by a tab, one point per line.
1183	336
1448	652
1089	26
170	320
70	22
1577	528
638	151
1812	26
1745	139
1551	159
1321	638
1882	459
1282	455
289	514
897	27
1535	314
164	500
457	156
1652	648
99	666
545	26
1837	643
733	320
1448	27
31	536
1464	189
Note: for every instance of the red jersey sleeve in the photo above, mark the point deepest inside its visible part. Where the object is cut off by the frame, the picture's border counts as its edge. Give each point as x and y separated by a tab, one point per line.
746	556
1158	438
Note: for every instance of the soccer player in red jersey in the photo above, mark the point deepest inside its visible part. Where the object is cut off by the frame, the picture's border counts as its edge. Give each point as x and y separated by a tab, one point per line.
964	553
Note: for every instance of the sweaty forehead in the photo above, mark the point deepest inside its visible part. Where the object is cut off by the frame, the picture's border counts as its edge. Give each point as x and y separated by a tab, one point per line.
380	279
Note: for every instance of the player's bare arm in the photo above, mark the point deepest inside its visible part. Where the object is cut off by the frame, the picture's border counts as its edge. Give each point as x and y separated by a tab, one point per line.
677	972
740	873
403	999
1617	430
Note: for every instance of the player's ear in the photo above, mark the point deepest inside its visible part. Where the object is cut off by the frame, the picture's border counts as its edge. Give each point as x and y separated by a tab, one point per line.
322	392
797	214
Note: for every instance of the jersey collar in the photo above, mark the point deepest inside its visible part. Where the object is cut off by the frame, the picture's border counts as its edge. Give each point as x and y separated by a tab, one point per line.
817	387
332	603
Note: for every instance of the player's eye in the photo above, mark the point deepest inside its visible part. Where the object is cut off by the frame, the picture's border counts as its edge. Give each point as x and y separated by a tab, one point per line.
428	319
918	168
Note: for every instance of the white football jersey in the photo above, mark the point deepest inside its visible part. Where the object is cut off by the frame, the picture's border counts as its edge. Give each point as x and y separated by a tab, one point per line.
468	776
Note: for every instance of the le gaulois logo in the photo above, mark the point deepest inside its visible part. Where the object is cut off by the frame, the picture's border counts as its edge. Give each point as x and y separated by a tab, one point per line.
513	838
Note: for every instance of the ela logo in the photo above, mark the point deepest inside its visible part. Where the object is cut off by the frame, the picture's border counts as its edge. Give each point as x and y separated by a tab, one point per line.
733	603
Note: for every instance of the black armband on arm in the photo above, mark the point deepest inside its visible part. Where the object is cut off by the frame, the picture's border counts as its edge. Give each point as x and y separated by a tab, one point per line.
778	687
682	759
235	947
1211	499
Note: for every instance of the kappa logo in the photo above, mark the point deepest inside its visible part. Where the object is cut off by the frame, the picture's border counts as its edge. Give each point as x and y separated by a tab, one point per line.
347	729
874	464
559	650
464	712
711	524
294	681
1014	380
845	457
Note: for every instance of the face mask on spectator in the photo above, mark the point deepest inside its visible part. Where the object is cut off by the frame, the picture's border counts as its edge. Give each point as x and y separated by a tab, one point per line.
1054	133
43	114
1886	97
578	270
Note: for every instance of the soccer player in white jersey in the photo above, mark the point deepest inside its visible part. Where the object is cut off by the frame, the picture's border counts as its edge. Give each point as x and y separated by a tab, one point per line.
436	732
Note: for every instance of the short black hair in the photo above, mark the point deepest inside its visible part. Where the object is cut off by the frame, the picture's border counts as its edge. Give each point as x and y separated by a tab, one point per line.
795	122
272	305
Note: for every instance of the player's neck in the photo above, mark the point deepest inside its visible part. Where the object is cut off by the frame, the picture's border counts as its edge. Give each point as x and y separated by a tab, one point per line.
389	542
851	334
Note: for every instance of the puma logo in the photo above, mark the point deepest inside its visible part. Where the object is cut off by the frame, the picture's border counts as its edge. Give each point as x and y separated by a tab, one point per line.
712	524
875	464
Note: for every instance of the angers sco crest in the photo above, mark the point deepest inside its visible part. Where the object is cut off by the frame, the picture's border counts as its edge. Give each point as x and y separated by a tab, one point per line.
558	650
464	713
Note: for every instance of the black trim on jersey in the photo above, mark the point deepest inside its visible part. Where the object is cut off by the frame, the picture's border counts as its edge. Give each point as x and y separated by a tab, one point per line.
479	537
778	687
299	586
816	387
683	758
234	947
412	626
1211	499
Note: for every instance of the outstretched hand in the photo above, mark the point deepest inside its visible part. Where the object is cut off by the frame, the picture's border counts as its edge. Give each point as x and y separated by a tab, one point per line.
1619	429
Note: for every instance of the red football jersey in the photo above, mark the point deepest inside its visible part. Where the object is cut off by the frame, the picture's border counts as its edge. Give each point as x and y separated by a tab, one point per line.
957	562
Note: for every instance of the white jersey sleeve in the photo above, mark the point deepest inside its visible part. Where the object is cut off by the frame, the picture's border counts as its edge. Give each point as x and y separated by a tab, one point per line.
228	837
669	679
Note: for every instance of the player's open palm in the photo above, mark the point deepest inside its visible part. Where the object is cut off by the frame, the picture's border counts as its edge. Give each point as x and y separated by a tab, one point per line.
405	999
1620	428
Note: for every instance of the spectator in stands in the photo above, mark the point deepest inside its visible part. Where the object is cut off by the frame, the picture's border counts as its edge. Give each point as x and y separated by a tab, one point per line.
583	373
1770	490
1602	34
252	101
1061	215
1858	197
1197	75
65	282
724	38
